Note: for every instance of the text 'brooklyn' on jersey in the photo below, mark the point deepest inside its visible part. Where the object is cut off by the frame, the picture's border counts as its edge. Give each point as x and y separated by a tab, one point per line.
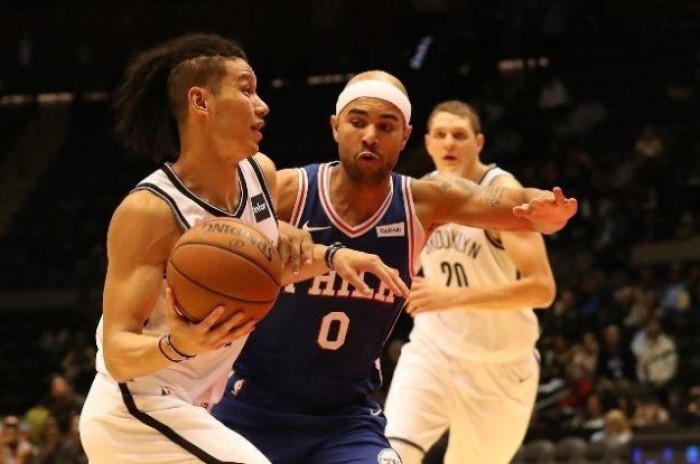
462	256
319	347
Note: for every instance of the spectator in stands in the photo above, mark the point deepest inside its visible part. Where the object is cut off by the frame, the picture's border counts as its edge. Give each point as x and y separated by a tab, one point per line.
694	404
554	95
14	448
615	361
63	402
657	359
584	358
592	417
50	441
649	143
649	411
71	451
617	430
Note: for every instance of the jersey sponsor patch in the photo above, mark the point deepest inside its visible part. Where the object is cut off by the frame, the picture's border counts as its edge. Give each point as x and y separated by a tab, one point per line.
391	230
260	209
388	456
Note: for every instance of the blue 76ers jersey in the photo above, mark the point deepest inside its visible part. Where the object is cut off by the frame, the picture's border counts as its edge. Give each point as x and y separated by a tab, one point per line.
319	347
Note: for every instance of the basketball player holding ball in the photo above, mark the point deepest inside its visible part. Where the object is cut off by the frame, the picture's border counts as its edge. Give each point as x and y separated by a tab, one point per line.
192	102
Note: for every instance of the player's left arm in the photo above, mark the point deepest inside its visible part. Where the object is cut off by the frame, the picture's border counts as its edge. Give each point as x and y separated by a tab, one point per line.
536	287
442	200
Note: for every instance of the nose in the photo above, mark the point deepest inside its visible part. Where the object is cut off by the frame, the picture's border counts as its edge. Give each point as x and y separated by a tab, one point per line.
369	137
449	141
261	107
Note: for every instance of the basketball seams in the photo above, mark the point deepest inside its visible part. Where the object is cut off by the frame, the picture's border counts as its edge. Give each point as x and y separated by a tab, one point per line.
216	292
228	250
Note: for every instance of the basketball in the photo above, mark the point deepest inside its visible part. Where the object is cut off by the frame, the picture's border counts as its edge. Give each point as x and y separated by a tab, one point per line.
224	261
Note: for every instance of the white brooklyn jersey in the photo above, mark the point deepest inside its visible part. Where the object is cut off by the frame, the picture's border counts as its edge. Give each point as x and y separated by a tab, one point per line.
460	256
200	380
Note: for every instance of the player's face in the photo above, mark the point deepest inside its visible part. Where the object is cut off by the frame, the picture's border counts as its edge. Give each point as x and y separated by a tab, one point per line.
237	114
371	134
452	143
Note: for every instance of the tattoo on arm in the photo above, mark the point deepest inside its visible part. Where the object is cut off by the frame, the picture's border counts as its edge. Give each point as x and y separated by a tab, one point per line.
493	196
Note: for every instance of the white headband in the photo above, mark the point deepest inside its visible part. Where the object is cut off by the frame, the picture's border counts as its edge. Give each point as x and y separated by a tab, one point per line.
374	88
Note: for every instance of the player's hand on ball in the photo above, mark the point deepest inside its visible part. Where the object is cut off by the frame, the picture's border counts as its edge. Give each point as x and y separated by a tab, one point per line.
209	334
548	213
295	247
350	264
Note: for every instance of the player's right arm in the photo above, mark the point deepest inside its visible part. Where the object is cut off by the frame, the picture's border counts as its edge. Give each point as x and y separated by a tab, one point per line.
141	235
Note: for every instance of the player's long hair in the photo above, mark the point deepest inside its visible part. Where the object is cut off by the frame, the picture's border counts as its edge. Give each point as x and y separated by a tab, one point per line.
152	99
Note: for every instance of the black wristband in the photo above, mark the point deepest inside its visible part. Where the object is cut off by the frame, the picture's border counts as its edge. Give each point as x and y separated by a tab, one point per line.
162	351
181	356
330	252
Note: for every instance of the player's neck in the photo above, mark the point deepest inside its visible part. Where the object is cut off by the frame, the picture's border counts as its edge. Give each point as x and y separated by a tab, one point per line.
476	171
210	180
354	202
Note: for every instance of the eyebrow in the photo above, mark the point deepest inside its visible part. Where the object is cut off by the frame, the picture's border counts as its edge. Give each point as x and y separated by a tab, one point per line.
366	114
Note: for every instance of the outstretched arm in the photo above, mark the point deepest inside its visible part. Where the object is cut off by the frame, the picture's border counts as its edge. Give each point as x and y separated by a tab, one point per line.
441	200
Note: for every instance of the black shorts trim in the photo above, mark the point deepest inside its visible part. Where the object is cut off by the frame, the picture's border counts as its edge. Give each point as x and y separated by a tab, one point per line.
169	433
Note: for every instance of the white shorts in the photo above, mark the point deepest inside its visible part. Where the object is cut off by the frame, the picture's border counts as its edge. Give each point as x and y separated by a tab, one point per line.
118	427
486	406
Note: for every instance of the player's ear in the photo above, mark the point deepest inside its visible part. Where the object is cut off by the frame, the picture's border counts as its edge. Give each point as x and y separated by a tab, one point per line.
406	136
480	140
334	126
197	98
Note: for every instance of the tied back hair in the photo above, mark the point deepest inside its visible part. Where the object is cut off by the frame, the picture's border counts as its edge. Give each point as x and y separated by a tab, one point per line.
152	98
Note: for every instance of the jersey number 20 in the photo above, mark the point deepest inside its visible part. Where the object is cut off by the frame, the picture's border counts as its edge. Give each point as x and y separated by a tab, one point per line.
456	271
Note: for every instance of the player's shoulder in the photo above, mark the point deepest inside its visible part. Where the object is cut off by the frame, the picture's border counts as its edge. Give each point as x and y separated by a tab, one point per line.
505	179
142	206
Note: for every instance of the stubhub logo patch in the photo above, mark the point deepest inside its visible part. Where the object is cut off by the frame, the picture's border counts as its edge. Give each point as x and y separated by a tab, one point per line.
391	230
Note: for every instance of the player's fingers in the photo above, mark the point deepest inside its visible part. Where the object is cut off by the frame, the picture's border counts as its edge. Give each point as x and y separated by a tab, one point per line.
283	250
294	257
208	322
355	278
388	276
233	321
307	250
522	210
400	284
559	196
241	331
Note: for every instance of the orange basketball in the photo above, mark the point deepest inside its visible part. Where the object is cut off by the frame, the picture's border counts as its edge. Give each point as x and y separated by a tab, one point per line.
224	261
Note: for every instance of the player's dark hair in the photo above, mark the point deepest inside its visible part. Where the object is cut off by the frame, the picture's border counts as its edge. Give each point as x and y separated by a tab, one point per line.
152	99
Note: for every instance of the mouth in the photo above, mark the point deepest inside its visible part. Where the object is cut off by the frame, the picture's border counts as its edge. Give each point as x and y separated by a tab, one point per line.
450	158
368	156
257	131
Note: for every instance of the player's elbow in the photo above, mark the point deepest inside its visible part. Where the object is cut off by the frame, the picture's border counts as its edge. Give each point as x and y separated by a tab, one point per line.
116	370
545	292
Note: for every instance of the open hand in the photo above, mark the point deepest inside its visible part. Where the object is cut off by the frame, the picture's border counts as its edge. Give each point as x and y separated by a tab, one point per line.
350	264
548	213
